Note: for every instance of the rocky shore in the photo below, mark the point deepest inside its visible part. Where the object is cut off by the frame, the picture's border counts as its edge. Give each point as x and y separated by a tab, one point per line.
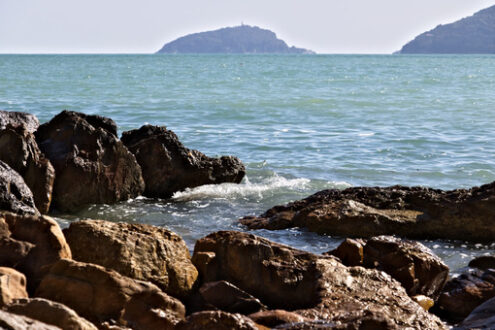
98	274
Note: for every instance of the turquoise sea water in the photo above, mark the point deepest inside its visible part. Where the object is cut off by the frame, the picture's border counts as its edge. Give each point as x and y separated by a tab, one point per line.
300	123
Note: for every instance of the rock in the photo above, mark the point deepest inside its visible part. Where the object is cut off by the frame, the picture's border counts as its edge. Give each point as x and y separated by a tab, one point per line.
483	262
15	195
10	321
277	317
92	166
350	252
19	150
169	167
138	251
424	301
102	295
15	119
417	212
12	285
30	244
315	287
50	312
482	317
227	297
461	295
216	320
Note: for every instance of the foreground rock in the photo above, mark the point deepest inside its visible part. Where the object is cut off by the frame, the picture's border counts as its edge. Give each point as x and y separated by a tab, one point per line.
91	164
482	317
15	195
50	312
216	320
12	285
102	295
315	287
30	244
168	166
138	251
18	119
11	321
464	214
18	149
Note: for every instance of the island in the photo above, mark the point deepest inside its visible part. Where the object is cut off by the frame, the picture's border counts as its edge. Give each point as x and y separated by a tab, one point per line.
243	39
470	35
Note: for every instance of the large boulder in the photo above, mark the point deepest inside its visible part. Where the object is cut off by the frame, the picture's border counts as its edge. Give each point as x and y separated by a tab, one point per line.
482	317
216	320
30	244
169	167
92	165
12	285
15	195
414	212
11	321
138	251
18	149
16	119
103	295
315	287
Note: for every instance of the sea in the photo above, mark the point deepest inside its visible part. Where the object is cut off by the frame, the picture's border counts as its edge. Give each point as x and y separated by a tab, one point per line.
300	124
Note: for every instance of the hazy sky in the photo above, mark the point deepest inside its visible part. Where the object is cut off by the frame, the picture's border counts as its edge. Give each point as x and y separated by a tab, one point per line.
143	26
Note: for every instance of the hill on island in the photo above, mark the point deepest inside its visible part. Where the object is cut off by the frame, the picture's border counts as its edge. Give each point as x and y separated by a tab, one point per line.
242	39
470	35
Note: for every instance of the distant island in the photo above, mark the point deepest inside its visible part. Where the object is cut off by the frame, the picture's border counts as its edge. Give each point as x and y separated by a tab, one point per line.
243	39
471	35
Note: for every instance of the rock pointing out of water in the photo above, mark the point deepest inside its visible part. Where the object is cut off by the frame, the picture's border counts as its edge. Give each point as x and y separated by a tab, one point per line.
17	119
15	195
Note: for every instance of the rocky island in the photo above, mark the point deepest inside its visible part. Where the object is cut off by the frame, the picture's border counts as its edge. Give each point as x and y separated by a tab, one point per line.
243	39
470	35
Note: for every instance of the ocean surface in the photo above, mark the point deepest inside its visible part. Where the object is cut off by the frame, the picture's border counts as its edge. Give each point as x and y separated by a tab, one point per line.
300	124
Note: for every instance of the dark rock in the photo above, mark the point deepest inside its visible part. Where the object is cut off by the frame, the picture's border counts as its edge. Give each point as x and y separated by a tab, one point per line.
168	166
350	252
464	214
16	119
12	285
19	150
11	321
483	262
216	320
482	317
91	164
15	195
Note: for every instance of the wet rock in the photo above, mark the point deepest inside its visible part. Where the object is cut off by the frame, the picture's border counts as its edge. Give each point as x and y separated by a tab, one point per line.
461	295
168	166
227	297
482	317
10	321
315	287
216	320
138	251
30	244
15	195
19	150
483	262
16	119
92	166
414	212
102	295
12	285
275	317
50	312
350	252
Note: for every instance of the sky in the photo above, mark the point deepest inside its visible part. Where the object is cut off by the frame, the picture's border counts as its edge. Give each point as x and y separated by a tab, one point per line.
144	26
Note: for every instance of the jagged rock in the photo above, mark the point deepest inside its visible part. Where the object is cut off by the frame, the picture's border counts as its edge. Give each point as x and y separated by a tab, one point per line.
19	150
12	285
482	317
169	167
50	312
227	297
483	262
277	317
15	195
216	320
315	287
138	251
16	119
102	295
10	321
91	164
350	252
417	212
29	244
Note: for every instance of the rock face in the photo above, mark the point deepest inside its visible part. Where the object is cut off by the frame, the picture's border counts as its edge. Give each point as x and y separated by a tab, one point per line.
10	321
91	164
138	251
12	285
217	320
242	39
464	214
15	195
482	317
168	166
30	244
50	312
101	295
19	150
16	119
315	287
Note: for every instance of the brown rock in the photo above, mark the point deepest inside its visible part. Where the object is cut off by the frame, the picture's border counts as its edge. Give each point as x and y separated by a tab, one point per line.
482	317
138	251
315	287
216	320
19	150
350	252
91	164
10	321
168	166
30	122
277	317
12	285
15	195
50	312
102	295
417	212
483	262
30	244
